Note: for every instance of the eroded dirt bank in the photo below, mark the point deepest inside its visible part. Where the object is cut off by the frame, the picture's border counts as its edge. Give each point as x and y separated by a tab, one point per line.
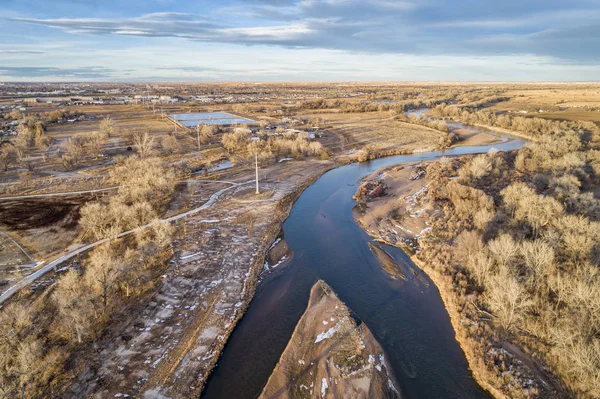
395	215
330	354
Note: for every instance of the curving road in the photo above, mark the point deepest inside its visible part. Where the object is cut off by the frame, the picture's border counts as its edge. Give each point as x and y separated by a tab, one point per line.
25	281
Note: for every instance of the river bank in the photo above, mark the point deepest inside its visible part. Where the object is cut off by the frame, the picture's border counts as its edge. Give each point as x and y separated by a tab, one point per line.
175	338
472	332
327	244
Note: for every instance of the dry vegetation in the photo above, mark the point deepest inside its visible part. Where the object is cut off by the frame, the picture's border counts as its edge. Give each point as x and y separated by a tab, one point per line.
518	246
39	336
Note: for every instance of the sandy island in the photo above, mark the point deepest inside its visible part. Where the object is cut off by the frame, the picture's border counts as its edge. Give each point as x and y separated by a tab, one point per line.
330	354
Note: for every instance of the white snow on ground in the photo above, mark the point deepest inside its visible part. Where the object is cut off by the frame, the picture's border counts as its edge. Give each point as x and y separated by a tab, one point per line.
286	159
327	334
267	268
362	343
393	387
280	262
214	220
404	229
324	386
425	230
325	322
190	255
275	243
382	360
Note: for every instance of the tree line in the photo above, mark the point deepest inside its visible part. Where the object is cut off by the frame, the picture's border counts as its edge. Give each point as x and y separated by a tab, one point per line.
519	240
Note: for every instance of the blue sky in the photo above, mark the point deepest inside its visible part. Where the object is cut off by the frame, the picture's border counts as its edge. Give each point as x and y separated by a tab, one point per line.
299	40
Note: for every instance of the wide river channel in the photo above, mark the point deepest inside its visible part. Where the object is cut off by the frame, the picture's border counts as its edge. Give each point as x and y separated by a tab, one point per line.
407	317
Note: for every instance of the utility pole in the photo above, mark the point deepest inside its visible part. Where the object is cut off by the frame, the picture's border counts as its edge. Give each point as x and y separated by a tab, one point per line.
198	135
256	163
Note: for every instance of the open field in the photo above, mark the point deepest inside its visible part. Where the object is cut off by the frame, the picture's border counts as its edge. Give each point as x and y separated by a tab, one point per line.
11	254
377	129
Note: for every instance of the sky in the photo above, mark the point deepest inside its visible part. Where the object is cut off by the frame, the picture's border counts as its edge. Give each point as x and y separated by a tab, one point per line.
299	40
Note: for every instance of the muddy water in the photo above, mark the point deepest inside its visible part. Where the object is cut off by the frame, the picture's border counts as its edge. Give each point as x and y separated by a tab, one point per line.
407	317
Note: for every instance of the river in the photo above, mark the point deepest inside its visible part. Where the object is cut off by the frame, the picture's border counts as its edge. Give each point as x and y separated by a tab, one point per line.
408	318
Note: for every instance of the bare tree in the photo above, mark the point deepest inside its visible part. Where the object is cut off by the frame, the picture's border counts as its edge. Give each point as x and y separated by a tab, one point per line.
235	141
22	141
8	156
507	299
97	141
96	220
74	304
102	273
107	126
144	144
504	249
538	257
169	143
74	149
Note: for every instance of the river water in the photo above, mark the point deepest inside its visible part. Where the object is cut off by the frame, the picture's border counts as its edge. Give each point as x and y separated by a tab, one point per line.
408	317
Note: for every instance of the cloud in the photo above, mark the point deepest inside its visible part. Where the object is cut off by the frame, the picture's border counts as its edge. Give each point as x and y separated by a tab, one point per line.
564	30
21	52
53	72
163	24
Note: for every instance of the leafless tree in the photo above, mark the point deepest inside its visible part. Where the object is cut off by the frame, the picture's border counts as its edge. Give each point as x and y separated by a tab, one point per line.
504	249
8	156
107	126
97	141
169	143
144	144
507	299
102	273
74	302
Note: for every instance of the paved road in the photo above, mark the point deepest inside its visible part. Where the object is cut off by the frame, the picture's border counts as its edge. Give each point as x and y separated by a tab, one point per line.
45	269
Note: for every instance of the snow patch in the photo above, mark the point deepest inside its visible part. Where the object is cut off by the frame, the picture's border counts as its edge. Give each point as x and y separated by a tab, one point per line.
327	334
324	386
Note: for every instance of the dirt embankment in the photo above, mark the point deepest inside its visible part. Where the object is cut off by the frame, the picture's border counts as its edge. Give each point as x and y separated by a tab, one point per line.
396	217
330	354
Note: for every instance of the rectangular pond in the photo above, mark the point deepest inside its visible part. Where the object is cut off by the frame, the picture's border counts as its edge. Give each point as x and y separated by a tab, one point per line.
211	118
